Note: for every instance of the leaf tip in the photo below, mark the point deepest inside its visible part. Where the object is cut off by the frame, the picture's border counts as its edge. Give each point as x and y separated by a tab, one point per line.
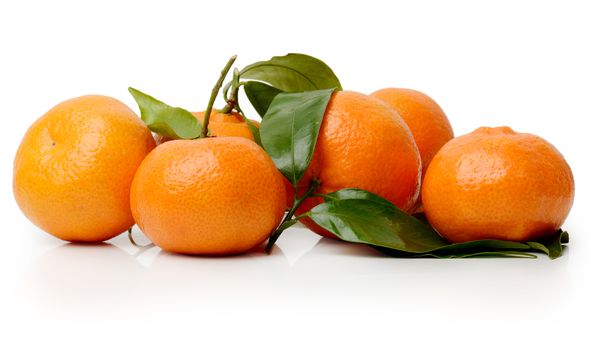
134	92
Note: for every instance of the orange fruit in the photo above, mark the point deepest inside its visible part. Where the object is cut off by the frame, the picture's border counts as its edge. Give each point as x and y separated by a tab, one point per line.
427	121
498	184
364	144
74	167
232	124
212	196
222	124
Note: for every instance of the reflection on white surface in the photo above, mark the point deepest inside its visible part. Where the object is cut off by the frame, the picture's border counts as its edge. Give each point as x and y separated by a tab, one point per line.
302	269
80	274
307	283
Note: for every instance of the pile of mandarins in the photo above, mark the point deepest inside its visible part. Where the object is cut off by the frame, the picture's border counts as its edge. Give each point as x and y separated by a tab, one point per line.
89	169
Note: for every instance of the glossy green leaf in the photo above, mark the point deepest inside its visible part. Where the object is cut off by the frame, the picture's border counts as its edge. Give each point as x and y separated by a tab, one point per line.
173	122
289	131
362	217
293	73
260	95
373	220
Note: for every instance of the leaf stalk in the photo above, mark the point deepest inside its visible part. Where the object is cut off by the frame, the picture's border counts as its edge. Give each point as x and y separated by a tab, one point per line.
288	220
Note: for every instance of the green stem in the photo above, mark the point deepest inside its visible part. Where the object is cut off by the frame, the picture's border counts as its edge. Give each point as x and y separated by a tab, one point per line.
232	100
214	94
288	219
228	107
225	91
301	216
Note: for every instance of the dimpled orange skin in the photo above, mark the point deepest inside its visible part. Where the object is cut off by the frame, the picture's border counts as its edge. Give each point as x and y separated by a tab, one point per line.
427	121
74	167
222	124
495	183
232	124
363	144
213	196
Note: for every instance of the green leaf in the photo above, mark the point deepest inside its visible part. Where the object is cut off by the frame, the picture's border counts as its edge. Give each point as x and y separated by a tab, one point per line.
173	122
459	254
290	130
374	220
359	216
293	73
254	130
260	95
355	193
553	246
477	248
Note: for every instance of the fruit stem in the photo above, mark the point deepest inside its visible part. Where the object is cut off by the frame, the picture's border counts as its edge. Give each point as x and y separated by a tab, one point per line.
214	94
137	245
232	101
288	220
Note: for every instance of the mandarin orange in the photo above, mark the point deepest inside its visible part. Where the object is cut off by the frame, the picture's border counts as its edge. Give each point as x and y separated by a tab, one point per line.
427	121
363	144
232	124
212	196
74	167
498	184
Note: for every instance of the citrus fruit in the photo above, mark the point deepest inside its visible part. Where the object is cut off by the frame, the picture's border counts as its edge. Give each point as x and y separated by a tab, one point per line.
363	144
222	124
212	196
74	167
232	124
498	184
427	121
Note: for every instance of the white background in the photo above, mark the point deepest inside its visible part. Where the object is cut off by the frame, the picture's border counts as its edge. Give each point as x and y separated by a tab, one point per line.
516	63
